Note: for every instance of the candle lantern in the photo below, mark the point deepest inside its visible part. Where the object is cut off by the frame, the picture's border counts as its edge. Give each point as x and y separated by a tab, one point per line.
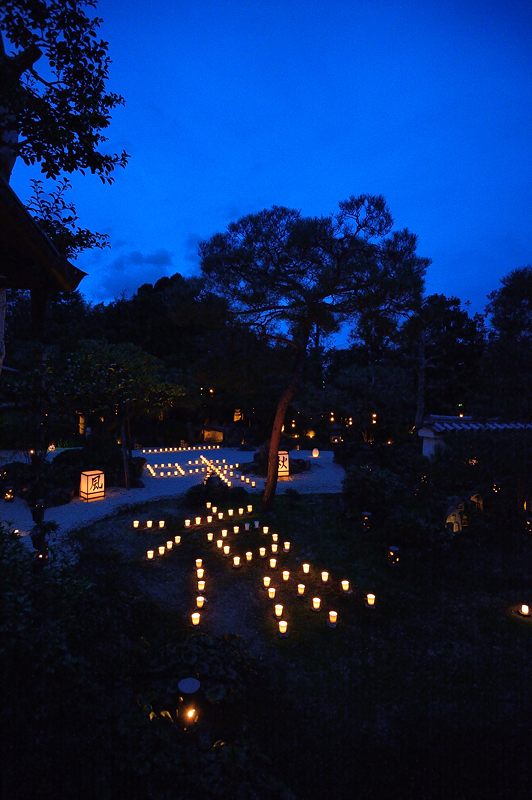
214	509
187	523
219	543
201	586
169	544
262	552
161	523
136	523
224	533
306	568
240	511
333	618
325	576
316	603
301	589
286	546
249	509
315	453
345	585
208	504
249	555
286	575
275	547
210	536
370	599
91	486
278	610
199	562
393	555
271	592
150	554
236	561
209	519
200	601
265	529
524	610
197	520
200	572
177	539
273	563
149	523
227	549
235	529
220	515
266	581
253	484
230	512
195	617
275	537
161	550
283	627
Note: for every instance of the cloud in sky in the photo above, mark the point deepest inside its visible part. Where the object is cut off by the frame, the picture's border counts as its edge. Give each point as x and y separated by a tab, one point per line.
124	274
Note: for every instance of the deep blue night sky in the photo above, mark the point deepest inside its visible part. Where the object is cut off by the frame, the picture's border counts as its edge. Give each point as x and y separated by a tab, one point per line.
235	106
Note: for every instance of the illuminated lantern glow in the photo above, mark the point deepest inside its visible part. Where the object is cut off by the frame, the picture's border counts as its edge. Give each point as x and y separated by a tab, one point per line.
286	575
249	555
278	610
301	589
195	617
136	523
208	504
177	539
283	627
200	601
265	529
230	512
316	603
169	544
200	572
370	599
240	511
210	537
161	523
273	563
227	549
149	523
201	586
91	486
236	529
333	618
262	552
219	543
266	581
220	515
197	520
275	547
271	592
150	554
236	561
249	509
286	546
275	537
325	576
187	523
214	509
306	568
345	585
524	610
224	533
199	562
315	453
161	550
209	519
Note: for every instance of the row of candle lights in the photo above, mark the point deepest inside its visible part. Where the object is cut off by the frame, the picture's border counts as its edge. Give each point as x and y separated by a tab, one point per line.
181	449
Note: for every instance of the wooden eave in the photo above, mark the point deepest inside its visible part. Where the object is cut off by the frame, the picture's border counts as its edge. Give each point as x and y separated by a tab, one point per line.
28	259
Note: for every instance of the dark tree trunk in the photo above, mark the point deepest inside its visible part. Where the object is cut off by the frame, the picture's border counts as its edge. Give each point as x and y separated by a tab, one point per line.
280	413
421	382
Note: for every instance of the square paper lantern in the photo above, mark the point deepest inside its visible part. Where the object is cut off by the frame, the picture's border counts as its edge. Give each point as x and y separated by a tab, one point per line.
283	464
92	485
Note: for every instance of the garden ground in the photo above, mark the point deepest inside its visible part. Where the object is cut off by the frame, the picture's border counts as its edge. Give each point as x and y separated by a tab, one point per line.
426	695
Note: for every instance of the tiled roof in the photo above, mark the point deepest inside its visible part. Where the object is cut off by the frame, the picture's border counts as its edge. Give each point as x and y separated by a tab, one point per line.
448	424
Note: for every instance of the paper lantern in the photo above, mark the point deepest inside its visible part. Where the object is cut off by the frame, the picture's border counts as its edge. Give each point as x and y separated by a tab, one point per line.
230	512
262	552
325	576
210	536
162	550
306	568
177	539
150	554
197	520
91	485
169	544
200	601
149	523
200	572
278	610
227	549
283	627
249	555
286	546
214	509
161	523
249	509
283	463
370	599
136	523
241	511
273	563
219	543
275	547
315	453
333	618
286	575
266	581
195	617
524	610
275	537
224	533
301	589
187	523
345	585
316	603
236	561
271	592
199	562
201	586
265	529
236	529
208	504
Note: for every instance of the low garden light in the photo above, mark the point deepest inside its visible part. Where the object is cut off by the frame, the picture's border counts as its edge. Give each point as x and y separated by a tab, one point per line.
200	601
149	523
199	562
236	562
316	603
306	568
273	563
286	575
161	523
201	586
301	589
370	599
150	554
177	539
333	618
195	617
161	549
324	576
345	585
278	610
283	627
266	581
136	523
271	592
